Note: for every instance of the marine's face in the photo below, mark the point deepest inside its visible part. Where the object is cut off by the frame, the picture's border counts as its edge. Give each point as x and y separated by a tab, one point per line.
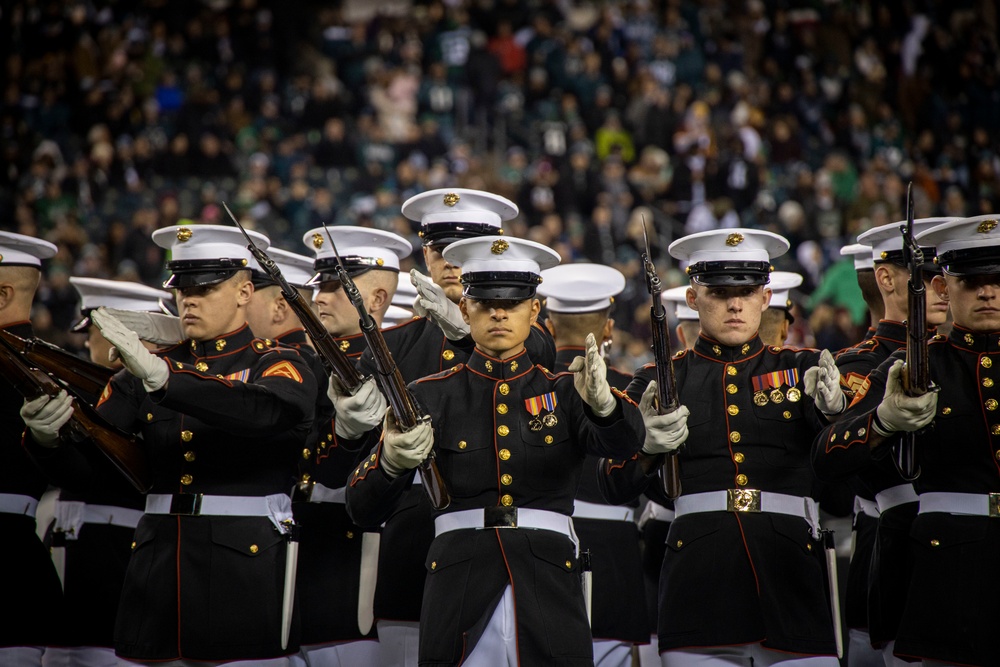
500	327
729	314
209	311
974	300
444	274
336	311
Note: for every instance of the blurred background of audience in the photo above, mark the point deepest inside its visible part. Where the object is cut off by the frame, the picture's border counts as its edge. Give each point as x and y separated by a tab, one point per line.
808	119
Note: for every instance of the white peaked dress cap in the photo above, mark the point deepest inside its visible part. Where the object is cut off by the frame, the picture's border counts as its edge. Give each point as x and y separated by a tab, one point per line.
495	267
21	250
361	249
732	256
580	288
120	294
297	270
452	214
677	296
206	254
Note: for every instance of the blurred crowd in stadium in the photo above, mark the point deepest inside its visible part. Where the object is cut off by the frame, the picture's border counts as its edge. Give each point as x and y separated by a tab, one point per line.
804	118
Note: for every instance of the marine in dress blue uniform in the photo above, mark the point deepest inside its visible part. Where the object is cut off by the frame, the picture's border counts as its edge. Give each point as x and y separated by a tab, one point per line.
510	440
954	537
223	418
578	301
94	524
31	591
743	577
420	348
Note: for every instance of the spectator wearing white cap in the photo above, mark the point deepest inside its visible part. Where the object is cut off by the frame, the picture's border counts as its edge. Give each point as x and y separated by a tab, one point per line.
434	341
880	568
91	536
510	439
579	299
744	469
774	321
953	538
223	418
31	587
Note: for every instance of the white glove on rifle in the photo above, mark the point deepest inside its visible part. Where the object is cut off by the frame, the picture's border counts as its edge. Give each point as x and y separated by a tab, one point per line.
153	327
591	380
358	413
433	304
899	412
404	451
45	415
823	384
664	433
139	361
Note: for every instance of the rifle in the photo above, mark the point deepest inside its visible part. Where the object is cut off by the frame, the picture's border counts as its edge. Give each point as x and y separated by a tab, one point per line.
85	423
79	375
333	358
666	384
391	382
916	375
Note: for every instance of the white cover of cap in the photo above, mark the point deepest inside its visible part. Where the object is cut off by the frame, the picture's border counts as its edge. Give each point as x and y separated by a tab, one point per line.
384	248
782	282
124	295
200	242
736	244
296	269
459	205
889	238
500	254
580	288
980	231
678	297
405	294
21	249
862	254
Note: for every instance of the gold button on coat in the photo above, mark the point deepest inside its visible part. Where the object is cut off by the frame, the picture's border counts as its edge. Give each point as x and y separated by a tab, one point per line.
201	366
987	382
186	479
448	355
434	564
306	453
733	410
786	414
502	408
946	410
506	479
350	535
680	543
732	388
462	444
995	429
186	436
149	416
254	548
504	388
734	436
569	565
504	454
730	370
935	543
991	404
506	500
986	362
548	439
503	430
189	456
741	479
739	457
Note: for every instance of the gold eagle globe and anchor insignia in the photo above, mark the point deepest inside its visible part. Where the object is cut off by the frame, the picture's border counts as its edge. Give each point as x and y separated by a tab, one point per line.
317	241
986	226
499	247
184	234
451	198
734	239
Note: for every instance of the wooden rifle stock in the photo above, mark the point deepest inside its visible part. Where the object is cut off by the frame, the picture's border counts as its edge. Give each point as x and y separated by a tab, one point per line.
85	424
916	379
333	358
666	384
391	381
77	374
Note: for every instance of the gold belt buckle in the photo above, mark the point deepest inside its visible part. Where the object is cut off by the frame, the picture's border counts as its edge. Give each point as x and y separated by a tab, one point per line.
994	505
742	500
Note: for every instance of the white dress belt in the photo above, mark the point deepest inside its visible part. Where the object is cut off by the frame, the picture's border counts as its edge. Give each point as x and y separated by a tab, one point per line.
750	501
13	503
866	507
324	494
71	515
655	512
972	504
585	510
507	518
895	496
277	507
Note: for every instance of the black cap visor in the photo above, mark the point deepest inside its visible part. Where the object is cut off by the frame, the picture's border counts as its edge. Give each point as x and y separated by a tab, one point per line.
971	261
896	257
500	285
443	233
201	272
724	274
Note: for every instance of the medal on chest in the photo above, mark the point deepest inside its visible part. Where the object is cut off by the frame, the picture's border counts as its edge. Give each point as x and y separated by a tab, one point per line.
537	405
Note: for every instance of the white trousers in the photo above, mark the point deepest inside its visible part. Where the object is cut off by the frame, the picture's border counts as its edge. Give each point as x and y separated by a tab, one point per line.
859	650
398	643
743	656
649	654
498	645
342	654
82	656
612	653
272	662
21	656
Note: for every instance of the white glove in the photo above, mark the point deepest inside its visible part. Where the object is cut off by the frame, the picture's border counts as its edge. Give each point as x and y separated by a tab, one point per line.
45	415
823	384
591	380
433	304
404	451
139	361
899	412
664	433
358	413
153	327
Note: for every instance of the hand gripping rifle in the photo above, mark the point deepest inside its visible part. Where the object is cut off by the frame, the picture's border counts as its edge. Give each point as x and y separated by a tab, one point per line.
666	385
79	375
329	352
916	375
84	424
391	382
